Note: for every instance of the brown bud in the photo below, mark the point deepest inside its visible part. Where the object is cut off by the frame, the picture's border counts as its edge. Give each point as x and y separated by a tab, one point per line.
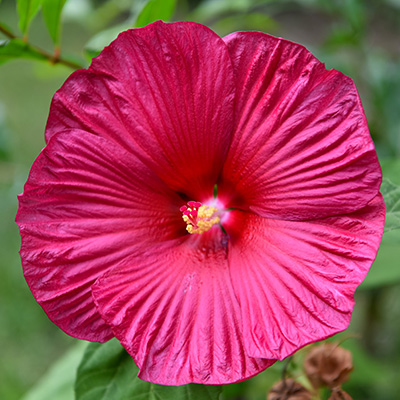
328	365
288	389
339	394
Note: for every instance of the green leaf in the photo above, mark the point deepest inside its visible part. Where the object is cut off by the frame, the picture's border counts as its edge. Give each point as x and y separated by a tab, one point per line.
108	372
244	21
391	169
52	14
155	10
391	194
210	9
90	53
385	270
58	382
102	39
16	48
27	9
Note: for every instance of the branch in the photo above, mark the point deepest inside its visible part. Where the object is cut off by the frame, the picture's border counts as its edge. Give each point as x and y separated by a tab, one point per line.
8	33
53	58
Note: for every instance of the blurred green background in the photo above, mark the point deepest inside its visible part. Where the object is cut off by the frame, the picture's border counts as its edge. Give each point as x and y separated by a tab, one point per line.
359	38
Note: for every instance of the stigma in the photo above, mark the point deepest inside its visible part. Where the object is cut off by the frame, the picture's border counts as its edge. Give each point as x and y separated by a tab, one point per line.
199	218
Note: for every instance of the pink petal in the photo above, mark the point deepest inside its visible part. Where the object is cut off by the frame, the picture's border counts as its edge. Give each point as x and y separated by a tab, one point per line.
88	205
175	312
295	280
301	148
165	92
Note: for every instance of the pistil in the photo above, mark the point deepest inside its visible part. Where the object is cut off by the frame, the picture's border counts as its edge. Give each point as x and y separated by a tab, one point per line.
199	218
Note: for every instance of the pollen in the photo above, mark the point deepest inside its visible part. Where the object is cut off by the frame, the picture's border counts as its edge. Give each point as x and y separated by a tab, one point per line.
199	218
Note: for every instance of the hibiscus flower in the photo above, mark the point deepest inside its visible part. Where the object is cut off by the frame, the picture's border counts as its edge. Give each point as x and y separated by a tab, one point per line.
211	202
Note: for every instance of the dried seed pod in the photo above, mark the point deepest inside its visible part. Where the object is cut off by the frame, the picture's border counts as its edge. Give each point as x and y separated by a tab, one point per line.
339	394
288	389
328	365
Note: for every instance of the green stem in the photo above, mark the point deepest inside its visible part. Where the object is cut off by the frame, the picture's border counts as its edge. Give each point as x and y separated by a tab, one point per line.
285	368
54	59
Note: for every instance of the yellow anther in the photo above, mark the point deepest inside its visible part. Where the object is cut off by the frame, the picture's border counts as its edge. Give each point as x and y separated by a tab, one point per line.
199	218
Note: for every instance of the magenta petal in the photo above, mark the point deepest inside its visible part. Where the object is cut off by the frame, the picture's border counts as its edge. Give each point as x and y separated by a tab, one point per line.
166	93
88	205
174	310
295	281
301	147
